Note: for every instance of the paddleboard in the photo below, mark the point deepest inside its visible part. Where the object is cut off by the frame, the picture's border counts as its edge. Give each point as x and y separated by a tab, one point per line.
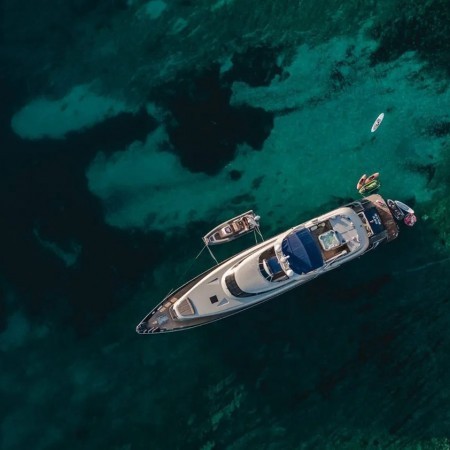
377	123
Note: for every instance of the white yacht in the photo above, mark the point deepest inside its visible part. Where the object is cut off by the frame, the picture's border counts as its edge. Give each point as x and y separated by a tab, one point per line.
275	266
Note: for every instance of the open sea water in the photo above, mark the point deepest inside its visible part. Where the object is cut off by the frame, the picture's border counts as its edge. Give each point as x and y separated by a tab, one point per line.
128	129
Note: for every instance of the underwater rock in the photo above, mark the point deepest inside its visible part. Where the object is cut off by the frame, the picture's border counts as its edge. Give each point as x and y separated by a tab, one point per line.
256	66
205	129
423	27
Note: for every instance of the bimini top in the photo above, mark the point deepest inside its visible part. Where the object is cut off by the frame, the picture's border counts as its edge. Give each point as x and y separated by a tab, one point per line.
304	254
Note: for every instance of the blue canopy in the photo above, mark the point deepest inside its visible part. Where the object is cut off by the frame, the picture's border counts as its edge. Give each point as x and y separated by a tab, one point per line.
304	254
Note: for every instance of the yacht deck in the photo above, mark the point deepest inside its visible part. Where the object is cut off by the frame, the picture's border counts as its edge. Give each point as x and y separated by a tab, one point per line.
335	235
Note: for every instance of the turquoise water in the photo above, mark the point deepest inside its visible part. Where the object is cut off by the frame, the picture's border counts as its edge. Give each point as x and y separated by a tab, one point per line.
128	130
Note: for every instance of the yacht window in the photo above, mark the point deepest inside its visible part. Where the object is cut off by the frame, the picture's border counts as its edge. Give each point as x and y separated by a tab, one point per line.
233	287
263	270
173	313
213	299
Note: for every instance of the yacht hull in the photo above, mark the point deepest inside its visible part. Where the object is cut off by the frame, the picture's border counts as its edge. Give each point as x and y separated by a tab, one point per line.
215	294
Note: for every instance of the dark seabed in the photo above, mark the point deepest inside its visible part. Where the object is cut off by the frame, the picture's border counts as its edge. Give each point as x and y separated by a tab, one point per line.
128	128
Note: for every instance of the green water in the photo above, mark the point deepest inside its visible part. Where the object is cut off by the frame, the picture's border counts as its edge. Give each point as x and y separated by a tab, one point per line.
130	128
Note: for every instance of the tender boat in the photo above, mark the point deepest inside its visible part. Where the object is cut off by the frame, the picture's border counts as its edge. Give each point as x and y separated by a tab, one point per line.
402	211
395	209
232	229
275	266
